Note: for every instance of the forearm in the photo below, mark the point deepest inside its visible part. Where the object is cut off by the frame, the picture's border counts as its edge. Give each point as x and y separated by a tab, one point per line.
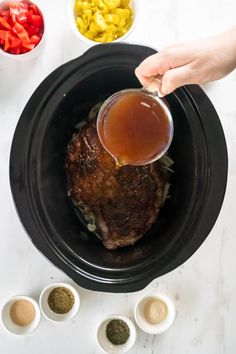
227	48
195	62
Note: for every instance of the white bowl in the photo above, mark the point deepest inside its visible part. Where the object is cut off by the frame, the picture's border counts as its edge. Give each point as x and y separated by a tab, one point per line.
34	52
10	326
79	35
48	313
161	326
105	345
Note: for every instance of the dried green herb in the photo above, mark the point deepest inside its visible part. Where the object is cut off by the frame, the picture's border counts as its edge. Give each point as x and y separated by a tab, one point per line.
117	332
61	300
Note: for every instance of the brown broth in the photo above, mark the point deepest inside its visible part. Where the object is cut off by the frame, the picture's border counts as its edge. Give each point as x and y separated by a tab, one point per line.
134	128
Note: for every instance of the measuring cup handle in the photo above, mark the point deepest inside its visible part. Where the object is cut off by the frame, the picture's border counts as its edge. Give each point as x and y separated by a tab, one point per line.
154	86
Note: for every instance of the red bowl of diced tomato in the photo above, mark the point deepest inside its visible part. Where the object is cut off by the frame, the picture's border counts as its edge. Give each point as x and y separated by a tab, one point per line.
21	27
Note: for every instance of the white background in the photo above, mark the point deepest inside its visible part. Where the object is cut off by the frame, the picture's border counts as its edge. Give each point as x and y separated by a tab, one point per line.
203	288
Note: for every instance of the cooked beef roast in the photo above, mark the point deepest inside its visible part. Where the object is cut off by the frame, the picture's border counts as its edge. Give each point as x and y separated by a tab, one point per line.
124	201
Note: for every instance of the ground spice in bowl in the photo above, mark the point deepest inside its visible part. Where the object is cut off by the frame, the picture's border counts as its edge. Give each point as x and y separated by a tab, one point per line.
22	312
61	300
117	332
155	311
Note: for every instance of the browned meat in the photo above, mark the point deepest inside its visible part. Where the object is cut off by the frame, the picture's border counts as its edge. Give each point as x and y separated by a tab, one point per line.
125	201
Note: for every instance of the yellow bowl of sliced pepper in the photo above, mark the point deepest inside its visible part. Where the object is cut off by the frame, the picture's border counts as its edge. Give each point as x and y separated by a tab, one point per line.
102	21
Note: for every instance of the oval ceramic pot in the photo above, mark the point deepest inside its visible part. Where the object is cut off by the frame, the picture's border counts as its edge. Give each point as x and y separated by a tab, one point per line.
39	184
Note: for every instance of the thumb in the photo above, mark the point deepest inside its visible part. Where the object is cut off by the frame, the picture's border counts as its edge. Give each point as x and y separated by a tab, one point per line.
152	66
174	78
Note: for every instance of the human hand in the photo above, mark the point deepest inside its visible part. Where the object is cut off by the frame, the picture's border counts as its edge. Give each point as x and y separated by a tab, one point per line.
191	63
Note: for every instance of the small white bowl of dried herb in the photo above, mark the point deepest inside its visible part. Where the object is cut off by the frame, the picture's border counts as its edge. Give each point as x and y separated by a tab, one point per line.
20	315
116	334
59	302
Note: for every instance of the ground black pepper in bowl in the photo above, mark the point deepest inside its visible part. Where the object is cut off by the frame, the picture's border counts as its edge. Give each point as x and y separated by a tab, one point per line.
117	332
61	300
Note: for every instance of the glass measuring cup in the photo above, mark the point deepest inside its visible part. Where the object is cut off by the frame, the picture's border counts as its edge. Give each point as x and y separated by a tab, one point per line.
135	126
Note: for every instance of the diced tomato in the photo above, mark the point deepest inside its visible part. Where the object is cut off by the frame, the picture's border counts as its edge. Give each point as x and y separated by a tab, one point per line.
35	39
26	26
7	42
37	20
21	27
13	19
33	30
17	8
24	50
21	32
21	18
28	45
15	51
17	28
29	15
14	42
23	35
4	23
3	34
5	13
34	9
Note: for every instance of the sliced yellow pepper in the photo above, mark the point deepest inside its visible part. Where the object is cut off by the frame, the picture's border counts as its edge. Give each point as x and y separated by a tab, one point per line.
103	20
94	28
112	4
123	13
112	18
124	3
100	21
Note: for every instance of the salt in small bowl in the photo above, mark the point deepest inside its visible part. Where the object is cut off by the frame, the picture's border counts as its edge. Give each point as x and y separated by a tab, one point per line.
8	323
163	325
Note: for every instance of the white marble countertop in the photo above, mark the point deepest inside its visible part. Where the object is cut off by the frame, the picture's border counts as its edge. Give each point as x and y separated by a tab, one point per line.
203	288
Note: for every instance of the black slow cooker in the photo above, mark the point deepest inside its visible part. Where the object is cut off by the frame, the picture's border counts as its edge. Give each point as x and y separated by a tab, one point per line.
39	185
